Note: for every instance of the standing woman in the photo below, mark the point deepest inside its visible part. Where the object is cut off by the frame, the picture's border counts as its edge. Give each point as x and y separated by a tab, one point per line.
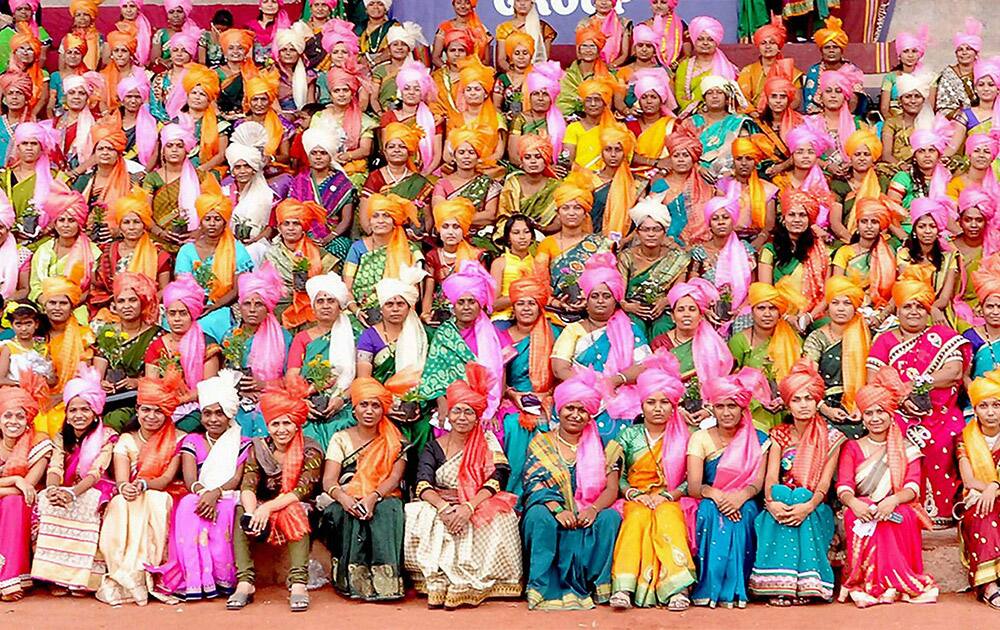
652	562
462	544
77	488
363	524
24	456
955	89
136	523
569	524
725	470
795	531
138	123
878	481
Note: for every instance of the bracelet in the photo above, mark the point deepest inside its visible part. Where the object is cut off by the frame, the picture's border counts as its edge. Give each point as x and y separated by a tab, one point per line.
472	508
997	484
557	510
443	507
632	494
145	484
119	486
623	377
194	488
669	496
71	493
332	489
378	494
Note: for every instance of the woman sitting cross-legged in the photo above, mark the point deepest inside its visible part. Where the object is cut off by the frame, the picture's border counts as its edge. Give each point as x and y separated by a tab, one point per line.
462	544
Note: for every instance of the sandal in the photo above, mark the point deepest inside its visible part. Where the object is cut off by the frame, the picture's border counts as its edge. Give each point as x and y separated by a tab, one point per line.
299	603
678	603
993	601
780	602
239	601
620	601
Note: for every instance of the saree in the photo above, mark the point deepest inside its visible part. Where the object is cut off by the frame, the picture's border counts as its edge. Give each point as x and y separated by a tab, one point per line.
986	355
954	92
792	562
687	84
368	268
725	547
334	194
414	187
483	561
366	556
249	416
15	527
649	285
652	559
568	569
479	190
717	141
827	353
565	269
756	356
884	559
322	429
165	207
980	536
935	433
539	206
516	436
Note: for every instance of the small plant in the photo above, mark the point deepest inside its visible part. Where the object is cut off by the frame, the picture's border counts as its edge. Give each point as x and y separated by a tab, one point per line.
300	273
111	343
692	401
204	276
234	348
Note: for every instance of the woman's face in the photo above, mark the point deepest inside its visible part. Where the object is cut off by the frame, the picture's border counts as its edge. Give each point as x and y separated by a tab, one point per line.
466	157
876	420
376	10
235	52
121	55
571	214
25	55
399	50
802	405
132	227
841	310
765	315
988	414
651	233
282	431
660	7
319	159
451	232
833	99
650	103
24	13
253	310
573	417
291	231
463	418
128	306
594	106
965	54
326	307
132	101
587	51
727	414
687	315
657	409
862	160
381	222
197	99
644	51
178	318
520	58
768	48
179	56
175	18
29	150
368	412
411	94
521	7
926	230
151	418
456	52
990	308
910	56
526	311
981	157
213	224
912	102
338	55
705	45
242	173
14	422
58	309
832	53
972	222
715	100
174	152
259	104
67	226
744	166
681	161
601	303
869	228
533	162
396	152
288	56
912	317
395	310
73	57
79	415
804	157
105	153
214	420
467	310
269	7
521	236
778	102
986	89
612	154
76	98
796	220
721	224
926	158
604	6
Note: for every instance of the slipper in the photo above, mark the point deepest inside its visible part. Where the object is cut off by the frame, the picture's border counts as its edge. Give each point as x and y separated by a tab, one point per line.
239	601
993	601
620	601
678	603
299	603
780	602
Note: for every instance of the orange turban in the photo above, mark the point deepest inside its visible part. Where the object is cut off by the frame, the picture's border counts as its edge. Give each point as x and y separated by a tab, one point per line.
775	30
248	69
814	443
603	87
865	136
462	210
109	129
409	136
401	210
288	398
886	390
23	37
541	336
785	346
144	288
519	38
197	75
224	260
59	285
575	187
591	33
915	283
473	71
622	194
84	6
122	38
307	213
164	394
471	391
802	376
882	261
367	388
857	339
144	257
834	32
535	142
378	459
986	279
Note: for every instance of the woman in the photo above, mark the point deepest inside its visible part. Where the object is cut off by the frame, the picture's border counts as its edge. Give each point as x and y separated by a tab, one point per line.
719	124
570	484
329	341
280	475
757	198
777	116
416	103
109	178
297	257
296	84
981	338
981	150
69	340
508	90
136	522
977	462
836	89
607	341
402	42
28	175
934	358
769	40
238	68
122	48
138	123
400	174
467	20
650	268
200	562
525	20
133	19
463	518
683	190
910	49
469	149
363	524
174	187
587	65
374	37
566	251
863	150
979	117
928	244
202	88
452	221
725	470
618	31
582	140
169	96
260	95
870	256
706	35
955	90
652	562
82	95
839	349
975	242
926	173
530	192
397	342
795	531
77	488
253	198
178	19
457	44
878	481
24	456
655	121
540	115
616	189
15	90
344	117
914	110
26	58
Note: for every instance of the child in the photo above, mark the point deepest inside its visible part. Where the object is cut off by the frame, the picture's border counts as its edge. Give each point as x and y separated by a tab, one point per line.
516	261
27	350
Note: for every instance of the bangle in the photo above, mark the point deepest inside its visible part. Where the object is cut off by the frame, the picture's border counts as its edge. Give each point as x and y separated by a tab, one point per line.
443	507
632	494
378	494
71	493
623	377
557	510
332	489
119	486
755	489
194	488
669	496
145	484
472	508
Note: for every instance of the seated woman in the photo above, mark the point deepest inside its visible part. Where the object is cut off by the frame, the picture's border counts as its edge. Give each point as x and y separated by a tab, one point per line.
167	86
652	563
651	268
185	347
935	358
109	177
462	544
397	342
508	91
837	92
515	260
925	172
570	484
323	183
400	174
457	44
706	34
77	488
247	188
607	341
415	87
174	186
28	175
878	481
978	457
870	257
344	117
24	456
928	244
725	470
327	344
719	123
69	340
200	564
795	531
910	48
616	190
237	68
531	191
975	242
863	150
296	82
380	255
362	526
582	139
528	375
539	116
776	116
452	221
202	88
260	93
986	282
981	149
525	19
280	475
914	104
683	190
214	259
655	121
403	45
82	100
839	349
468	146
121	364
136	522
769	40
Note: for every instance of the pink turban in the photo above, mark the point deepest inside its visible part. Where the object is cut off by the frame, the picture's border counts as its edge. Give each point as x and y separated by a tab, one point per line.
416	72
86	385
643	34
186	290
591	477
936	137
186	39
190	184
48	137
988	140
741	459
657	380
972	36
582	388
733	265
602	269
916	41
145	123
268	349
655	80
975	197
847	80
662	374
144	33
987	67
64	201
721	66
810	132
340	32
712	357
547	75
474	280
940	208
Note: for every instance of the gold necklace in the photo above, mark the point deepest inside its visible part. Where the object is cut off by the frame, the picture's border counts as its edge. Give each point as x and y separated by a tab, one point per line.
572	447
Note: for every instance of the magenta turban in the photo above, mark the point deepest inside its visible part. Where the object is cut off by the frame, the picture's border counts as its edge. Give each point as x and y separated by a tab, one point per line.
474	280
582	387
602	269
86	385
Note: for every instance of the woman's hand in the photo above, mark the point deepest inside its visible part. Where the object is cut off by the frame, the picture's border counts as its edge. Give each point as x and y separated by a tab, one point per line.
659	308
366	506
885	508
567	519
260	517
427	317
59	497
861	510
460	516
334	406
796	514
207	504
130	491
987	500
635	308
587	517
938	317
107	386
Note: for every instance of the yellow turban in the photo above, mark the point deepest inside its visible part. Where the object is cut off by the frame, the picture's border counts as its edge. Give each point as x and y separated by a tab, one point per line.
785	346
519	38
410	136
398	248
603	87
864	137
834	32
462	210
58	285
145	256
857	339
472	135
622	194
985	387
837	286
744	146
473	71
224	261
915	284
575	187
980	458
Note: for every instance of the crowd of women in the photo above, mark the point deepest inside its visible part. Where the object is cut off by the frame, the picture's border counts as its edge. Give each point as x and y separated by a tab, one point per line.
647	330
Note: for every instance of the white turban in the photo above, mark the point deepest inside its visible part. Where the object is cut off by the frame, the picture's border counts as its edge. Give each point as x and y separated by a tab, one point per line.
918	82
256	200
220	464
250	134
329	283
386	3
409	33
318	136
296	36
650	209
411	346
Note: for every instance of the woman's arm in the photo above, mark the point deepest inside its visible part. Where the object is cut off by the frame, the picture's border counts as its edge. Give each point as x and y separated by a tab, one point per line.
164	480
496	270
189	470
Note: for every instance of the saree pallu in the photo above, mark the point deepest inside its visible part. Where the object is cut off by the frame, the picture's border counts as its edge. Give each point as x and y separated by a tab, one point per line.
366	556
717	140
980	538
66	550
540	206
516	436
480	563
792	561
15	544
133	537
333	193
650	285
369	271
565	271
